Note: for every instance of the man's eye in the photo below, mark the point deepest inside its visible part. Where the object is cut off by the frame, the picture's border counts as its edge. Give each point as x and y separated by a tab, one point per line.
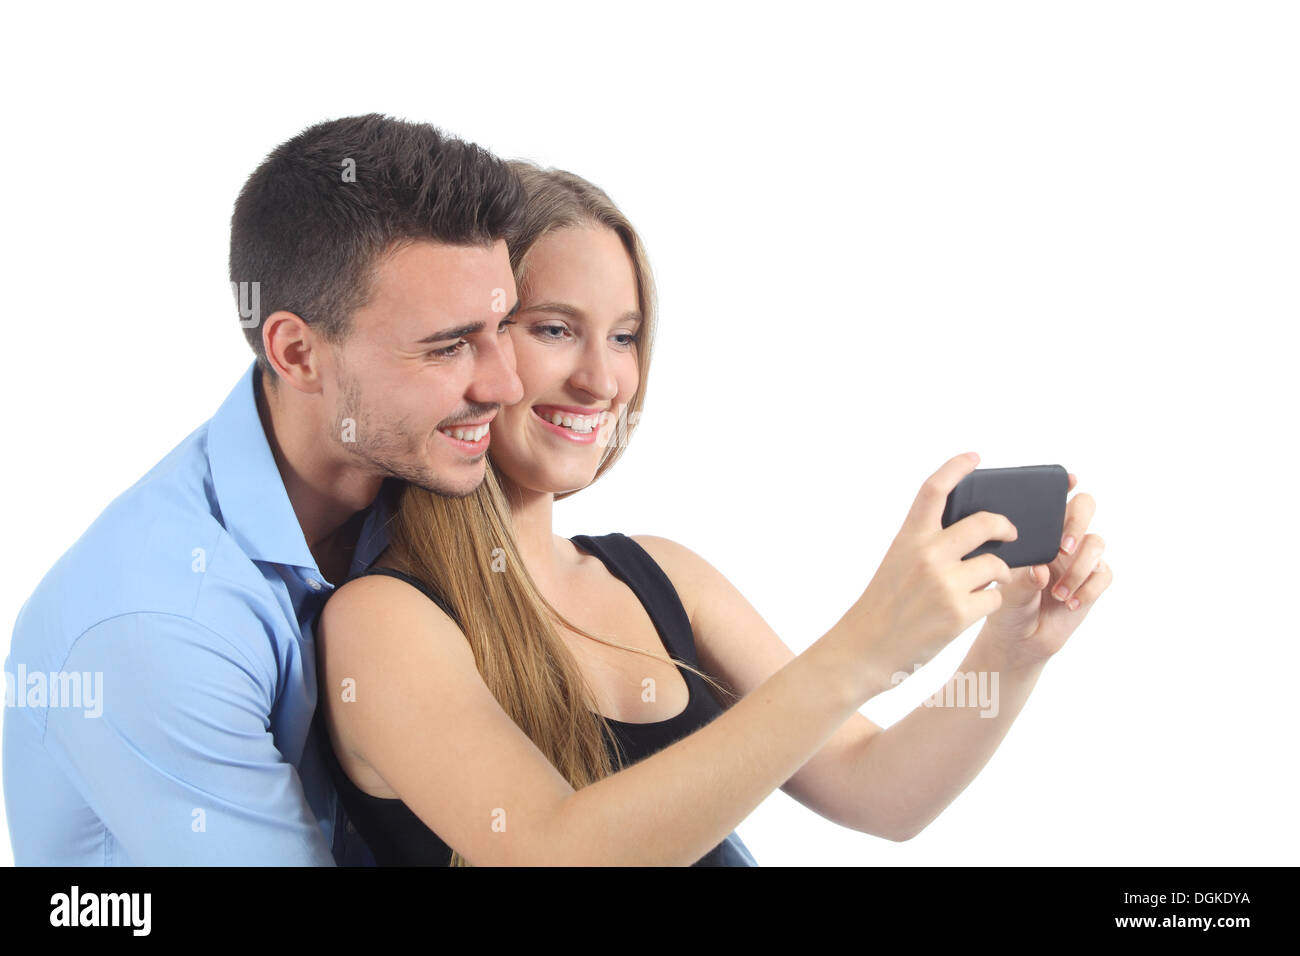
506	323
450	350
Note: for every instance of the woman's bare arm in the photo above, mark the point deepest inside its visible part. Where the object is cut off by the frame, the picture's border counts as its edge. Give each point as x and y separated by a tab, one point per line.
427	724
889	783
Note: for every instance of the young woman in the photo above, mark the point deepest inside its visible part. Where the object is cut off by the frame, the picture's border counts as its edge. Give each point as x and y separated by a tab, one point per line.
516	697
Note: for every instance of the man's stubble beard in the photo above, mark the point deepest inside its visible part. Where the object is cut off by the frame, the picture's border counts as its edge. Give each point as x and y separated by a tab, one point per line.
388	450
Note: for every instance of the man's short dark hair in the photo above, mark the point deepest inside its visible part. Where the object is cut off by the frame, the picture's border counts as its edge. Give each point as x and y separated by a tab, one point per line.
313	220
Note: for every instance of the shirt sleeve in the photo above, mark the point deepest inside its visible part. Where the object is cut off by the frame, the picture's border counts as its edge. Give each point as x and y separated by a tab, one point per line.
180	763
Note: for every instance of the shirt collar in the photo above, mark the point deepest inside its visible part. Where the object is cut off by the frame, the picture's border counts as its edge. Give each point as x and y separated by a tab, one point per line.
374	532
255	508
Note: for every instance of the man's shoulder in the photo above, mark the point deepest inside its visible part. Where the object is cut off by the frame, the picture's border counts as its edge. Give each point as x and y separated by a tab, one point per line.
158	548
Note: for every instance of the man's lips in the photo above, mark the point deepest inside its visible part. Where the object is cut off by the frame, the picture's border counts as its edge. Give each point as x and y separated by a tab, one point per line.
481	421
473	437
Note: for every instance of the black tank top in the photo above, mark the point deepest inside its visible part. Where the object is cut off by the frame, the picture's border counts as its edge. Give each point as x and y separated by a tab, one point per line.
397	837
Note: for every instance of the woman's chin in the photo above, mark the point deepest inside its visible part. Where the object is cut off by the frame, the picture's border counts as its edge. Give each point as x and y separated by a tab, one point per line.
553	482
558	484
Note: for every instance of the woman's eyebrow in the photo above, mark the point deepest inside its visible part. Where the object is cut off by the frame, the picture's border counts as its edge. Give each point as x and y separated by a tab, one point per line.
563	308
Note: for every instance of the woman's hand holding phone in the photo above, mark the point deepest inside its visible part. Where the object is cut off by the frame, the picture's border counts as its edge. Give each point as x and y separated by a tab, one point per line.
1034	621
924	595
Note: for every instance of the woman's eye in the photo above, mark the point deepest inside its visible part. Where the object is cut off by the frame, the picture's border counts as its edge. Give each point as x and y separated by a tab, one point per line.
628	338
545	331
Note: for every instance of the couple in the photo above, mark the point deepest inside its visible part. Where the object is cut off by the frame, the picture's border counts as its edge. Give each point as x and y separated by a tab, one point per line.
445	345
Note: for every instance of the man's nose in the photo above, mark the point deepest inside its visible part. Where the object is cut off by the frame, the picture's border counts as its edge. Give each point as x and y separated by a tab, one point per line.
495	381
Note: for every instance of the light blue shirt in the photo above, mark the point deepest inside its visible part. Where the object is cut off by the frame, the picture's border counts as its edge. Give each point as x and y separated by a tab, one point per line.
161	682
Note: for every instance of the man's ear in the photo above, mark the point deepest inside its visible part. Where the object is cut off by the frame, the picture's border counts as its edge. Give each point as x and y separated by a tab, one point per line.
292	349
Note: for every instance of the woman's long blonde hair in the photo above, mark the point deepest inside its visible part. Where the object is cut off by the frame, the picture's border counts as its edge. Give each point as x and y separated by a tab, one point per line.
464	548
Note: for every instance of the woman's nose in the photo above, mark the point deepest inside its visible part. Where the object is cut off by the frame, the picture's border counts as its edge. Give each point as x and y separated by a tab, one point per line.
594	373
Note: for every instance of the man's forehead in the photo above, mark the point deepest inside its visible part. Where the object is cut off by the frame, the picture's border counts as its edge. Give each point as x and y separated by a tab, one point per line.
448	279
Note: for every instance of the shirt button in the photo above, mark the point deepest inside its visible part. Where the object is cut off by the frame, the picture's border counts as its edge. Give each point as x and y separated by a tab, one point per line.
313	584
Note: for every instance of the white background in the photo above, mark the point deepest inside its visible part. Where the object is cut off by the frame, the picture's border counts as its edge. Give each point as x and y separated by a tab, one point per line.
884	234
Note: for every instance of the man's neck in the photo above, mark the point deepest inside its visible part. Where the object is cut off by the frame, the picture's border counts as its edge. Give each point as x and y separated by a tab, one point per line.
326	494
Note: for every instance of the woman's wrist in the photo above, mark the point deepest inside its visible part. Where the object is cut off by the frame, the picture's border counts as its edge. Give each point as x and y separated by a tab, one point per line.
845	665
995	652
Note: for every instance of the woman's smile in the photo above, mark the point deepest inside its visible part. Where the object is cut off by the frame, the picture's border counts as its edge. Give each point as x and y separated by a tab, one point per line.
573	423
577	356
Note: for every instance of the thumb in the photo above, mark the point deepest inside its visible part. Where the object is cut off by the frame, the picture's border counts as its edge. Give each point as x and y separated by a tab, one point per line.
1024	583
1020	601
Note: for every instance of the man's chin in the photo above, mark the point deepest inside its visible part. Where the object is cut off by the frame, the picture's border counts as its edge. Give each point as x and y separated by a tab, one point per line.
461	486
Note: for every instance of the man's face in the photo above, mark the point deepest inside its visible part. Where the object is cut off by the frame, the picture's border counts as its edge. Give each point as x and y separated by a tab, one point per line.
428	364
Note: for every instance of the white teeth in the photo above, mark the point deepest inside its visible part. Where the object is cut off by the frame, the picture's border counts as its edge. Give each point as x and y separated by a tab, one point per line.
467	434
579	424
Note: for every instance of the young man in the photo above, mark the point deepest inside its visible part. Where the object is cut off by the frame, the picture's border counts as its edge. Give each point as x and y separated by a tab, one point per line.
163	672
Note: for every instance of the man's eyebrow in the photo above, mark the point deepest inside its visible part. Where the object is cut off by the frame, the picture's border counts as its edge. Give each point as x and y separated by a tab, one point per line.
563	308
462	330
456	333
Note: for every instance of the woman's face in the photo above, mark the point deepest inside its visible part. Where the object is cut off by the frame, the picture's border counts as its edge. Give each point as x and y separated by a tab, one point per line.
575	354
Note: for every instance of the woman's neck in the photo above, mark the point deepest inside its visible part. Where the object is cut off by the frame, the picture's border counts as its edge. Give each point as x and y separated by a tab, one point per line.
531	521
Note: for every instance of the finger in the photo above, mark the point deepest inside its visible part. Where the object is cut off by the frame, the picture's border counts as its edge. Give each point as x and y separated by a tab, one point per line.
1078	515
927	509
1083	565
1075	570
1073	480
1097	582
983	603
979	572
972	531
1023	584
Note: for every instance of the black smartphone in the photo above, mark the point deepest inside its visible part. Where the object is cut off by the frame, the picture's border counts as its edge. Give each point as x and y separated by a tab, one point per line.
1031	496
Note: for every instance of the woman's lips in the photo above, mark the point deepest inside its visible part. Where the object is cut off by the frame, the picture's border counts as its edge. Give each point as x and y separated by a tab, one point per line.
578	437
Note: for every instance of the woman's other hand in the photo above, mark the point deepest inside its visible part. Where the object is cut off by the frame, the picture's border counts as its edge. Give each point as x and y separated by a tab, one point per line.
1034	622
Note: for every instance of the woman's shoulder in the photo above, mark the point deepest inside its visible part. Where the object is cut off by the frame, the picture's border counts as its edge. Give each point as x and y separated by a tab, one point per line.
665	548
653	545
397	601
693	577
668	554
